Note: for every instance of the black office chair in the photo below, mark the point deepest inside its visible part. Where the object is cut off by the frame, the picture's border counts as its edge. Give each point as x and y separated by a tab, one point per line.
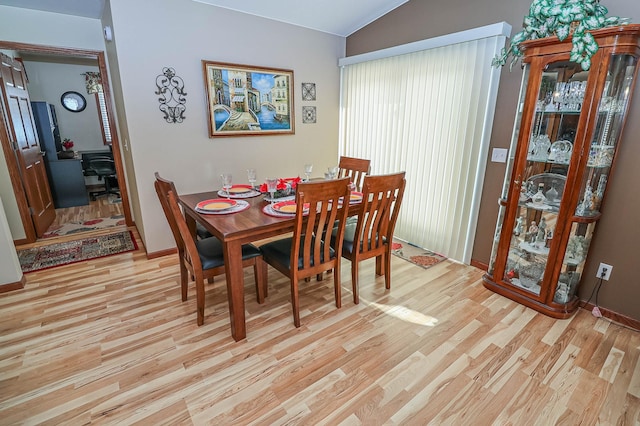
105	169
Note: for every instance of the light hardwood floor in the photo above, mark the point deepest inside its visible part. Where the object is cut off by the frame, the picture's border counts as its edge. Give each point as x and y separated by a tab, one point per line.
101	207
109	341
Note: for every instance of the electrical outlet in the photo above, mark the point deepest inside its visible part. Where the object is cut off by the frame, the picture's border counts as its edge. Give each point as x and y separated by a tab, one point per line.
604	271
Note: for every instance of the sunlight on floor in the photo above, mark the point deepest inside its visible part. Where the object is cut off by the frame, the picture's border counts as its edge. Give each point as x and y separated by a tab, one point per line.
406	314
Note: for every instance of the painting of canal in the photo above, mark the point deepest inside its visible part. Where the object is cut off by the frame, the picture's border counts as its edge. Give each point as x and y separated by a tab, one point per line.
247	100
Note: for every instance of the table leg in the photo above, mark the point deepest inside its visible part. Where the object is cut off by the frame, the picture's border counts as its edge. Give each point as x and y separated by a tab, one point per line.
235	288
191	224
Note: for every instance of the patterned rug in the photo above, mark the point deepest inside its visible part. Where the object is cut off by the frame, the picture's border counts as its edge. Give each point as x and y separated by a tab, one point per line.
88	225
58	254
416	255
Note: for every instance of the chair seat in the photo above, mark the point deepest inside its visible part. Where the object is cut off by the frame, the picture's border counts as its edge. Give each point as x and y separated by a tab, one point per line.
349	237
202	232
279	251
211	254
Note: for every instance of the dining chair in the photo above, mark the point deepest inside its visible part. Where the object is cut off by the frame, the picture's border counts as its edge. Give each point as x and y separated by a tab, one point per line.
356	168
305	253
203	258
372	234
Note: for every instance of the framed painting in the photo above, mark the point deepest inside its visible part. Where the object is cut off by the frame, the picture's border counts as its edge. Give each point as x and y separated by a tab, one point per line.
246	100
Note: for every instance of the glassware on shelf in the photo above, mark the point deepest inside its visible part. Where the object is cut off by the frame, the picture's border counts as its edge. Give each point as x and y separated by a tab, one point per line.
530	276
586	206
562	293
602	184
540	148
569	95
577	247
560	152
600	155
538	198
552	195
519	228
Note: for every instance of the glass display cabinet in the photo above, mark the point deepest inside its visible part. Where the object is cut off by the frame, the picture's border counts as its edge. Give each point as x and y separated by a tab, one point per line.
568	126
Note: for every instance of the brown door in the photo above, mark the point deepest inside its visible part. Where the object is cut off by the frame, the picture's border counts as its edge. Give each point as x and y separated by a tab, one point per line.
21	128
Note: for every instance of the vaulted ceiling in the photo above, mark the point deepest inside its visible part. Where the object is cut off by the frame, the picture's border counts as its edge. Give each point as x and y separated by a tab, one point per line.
339	17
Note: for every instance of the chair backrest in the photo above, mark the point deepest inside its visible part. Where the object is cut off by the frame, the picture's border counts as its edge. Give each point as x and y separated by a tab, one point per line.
102	166
190	254
163	188
325	209
355	168
381	200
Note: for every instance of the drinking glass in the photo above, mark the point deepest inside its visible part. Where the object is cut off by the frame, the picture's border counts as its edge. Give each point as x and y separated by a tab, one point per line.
272	184
333	172
251	174
226	179
308	168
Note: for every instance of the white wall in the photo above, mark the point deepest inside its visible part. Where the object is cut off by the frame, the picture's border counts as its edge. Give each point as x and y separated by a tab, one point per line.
180	34
10	270
48	81
49	29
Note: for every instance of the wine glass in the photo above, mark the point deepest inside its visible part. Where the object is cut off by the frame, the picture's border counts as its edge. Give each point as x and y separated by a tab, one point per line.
272	184
308	168
226	178
251	174
333	172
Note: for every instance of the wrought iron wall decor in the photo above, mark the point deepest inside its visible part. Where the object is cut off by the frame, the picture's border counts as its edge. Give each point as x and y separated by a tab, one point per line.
309	114
172	95
308	91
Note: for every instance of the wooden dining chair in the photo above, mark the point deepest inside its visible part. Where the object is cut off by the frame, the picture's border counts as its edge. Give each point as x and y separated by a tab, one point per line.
306	254
355	168
372	234
203	258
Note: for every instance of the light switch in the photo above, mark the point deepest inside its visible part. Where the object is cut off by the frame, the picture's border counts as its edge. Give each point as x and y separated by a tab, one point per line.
499	155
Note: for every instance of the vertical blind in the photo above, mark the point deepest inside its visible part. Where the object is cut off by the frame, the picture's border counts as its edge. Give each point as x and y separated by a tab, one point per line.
429	113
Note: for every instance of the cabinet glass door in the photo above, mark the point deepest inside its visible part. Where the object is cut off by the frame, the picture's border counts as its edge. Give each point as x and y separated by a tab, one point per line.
543	176
610	119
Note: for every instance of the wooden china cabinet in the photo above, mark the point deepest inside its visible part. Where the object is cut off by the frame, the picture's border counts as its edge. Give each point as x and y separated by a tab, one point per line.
568	126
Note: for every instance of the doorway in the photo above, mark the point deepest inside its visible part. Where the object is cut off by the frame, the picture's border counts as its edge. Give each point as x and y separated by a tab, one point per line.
61	55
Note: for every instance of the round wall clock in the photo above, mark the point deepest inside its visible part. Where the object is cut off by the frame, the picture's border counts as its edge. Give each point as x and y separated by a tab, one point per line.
73	101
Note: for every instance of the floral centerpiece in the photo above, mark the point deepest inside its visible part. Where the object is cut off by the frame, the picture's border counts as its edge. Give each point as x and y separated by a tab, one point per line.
285	188
67	144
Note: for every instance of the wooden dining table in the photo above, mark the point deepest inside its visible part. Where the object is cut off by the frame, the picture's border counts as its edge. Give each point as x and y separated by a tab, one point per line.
234	230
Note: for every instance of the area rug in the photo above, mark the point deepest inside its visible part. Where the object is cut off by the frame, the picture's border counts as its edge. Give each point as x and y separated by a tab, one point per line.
88	225
416	255
58	254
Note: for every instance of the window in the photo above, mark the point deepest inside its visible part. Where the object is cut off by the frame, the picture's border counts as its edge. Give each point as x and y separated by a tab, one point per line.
427	111
104	118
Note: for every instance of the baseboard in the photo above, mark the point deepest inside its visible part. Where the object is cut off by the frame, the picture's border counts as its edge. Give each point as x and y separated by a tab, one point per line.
4	288
20	242
614	316
156	254
479	265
